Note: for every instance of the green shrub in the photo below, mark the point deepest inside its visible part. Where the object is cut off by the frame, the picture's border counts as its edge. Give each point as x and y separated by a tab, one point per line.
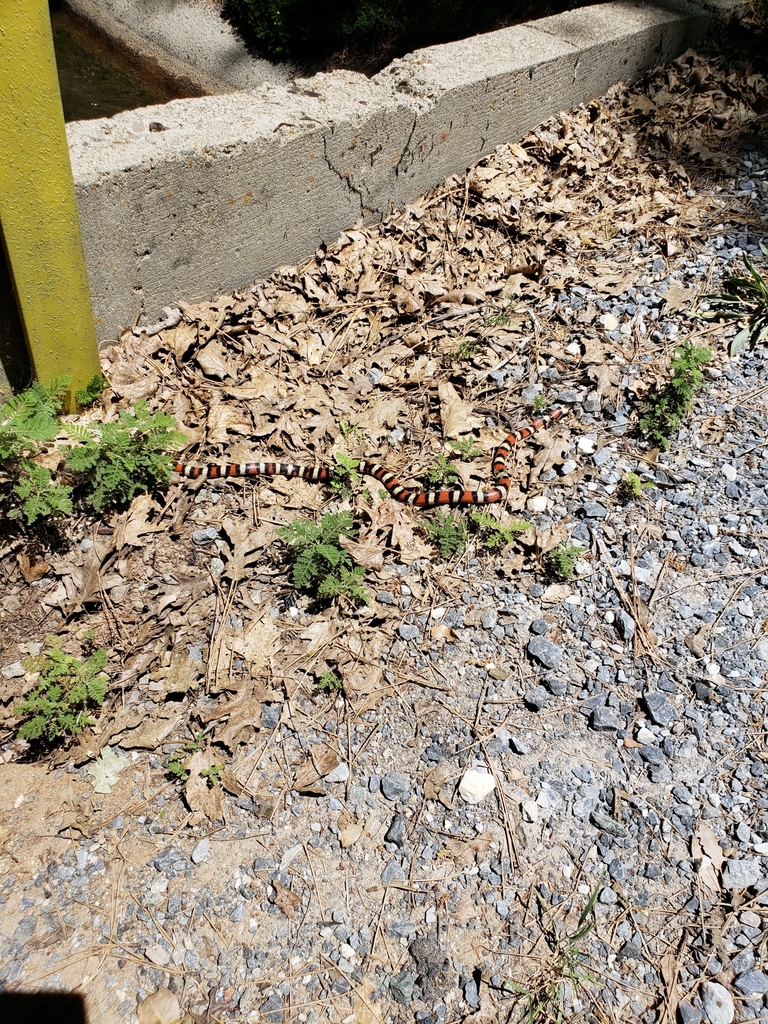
320	564
67	690
307	30
27	423
122	459
663	410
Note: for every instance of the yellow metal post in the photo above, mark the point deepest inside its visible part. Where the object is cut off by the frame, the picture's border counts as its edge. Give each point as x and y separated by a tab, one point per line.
38	211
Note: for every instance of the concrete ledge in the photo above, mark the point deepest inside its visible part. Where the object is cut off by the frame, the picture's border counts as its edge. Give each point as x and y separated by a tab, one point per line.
236	185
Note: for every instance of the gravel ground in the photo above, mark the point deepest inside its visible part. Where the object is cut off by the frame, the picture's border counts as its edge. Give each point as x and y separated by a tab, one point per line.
541	749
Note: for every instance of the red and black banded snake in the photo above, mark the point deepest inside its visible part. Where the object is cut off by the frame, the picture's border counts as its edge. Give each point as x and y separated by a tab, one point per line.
421	499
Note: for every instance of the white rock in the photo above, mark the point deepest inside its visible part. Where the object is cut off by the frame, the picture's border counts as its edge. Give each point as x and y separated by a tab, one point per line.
530	811
538	503
338	774
717	1002
608	322
645	736
201	851
762	849
475	786
741	872
730	472
568	467
586	444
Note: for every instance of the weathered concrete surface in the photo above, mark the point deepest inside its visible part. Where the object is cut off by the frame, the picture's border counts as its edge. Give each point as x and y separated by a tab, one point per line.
236	185
185	40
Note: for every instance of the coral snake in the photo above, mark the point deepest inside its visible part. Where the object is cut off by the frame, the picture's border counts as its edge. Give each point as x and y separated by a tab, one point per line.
421	499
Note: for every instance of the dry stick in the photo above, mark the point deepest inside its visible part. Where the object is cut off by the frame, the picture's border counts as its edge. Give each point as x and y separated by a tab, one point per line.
625	600
511	845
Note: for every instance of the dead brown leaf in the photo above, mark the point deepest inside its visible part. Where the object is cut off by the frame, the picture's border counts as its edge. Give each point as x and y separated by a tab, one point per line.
203	799
285	899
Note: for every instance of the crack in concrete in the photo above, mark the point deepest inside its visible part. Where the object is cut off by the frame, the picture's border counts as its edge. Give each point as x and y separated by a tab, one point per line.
406	147
345	178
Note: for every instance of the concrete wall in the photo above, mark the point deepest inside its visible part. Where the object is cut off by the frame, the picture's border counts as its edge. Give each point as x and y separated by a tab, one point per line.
235	185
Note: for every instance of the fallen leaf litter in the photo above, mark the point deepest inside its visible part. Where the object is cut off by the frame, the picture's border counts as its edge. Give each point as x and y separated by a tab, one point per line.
338	873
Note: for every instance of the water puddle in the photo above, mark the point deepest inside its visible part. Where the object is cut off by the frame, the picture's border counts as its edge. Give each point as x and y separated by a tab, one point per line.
96	80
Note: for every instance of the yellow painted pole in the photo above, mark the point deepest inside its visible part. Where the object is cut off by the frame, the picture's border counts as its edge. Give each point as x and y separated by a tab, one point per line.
38	211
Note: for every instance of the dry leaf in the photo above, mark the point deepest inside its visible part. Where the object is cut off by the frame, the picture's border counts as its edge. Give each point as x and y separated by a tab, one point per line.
32	569
160	1007
368	551
321	761
285	899
213	362
365	1011
457	415
203	800
350	834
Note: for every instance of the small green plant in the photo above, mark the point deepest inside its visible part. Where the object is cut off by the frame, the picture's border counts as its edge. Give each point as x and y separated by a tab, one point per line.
448	532
492	532
502	318
466	448
442	471
330	681
562	559
345	477
562	971
38	494
27	422
67	690
539	403
122	459
662	411
93	389
352	433
30	419
632	487
466	349
743	298
178	770
320	564
177	766
212	775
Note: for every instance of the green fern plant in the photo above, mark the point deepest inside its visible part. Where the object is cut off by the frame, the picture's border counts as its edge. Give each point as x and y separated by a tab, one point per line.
663	410
344	477
492	533
122	459
330	681
448	532
67	691
38	494
93	389
562	559
442	471
27	423
30	419
320	564
466	448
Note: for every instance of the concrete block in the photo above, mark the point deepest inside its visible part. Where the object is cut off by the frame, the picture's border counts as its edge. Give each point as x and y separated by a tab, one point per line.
235	185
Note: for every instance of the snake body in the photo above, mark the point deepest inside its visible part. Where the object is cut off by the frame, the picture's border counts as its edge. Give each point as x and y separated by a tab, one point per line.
420	499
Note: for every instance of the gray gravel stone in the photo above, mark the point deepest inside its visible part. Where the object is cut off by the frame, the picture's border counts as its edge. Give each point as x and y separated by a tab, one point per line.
741	873
396	786
545	651
659	708
396	831
625	624
201	851
604	720
717	1002
752	983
